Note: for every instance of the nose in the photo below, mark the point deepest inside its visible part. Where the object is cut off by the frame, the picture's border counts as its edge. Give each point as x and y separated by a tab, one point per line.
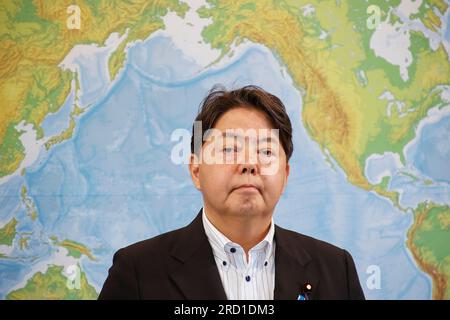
248	160
248	168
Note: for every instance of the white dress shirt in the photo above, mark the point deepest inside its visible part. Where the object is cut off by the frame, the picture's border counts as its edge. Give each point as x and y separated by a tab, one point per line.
242	280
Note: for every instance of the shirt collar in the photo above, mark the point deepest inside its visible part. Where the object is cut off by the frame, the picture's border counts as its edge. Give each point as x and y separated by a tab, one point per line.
221	244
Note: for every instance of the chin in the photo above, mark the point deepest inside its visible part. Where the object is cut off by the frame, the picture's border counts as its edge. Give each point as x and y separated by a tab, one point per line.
248	210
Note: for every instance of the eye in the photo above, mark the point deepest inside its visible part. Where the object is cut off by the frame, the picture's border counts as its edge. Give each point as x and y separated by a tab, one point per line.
229	149
266	152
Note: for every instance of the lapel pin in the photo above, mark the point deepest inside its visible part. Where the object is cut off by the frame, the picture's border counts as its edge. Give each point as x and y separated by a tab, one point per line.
305	292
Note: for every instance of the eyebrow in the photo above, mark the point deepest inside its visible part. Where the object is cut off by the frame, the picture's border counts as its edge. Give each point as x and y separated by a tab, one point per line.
227	134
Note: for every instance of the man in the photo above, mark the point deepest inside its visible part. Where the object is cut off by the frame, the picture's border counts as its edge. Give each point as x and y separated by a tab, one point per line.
232	249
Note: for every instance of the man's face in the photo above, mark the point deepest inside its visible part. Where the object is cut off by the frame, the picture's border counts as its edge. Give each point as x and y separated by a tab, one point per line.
241	160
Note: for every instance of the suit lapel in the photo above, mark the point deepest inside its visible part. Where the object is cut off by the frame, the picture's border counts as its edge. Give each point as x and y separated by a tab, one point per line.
292	267
197	275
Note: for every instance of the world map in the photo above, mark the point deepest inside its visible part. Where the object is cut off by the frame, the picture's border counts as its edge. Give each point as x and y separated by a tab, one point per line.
91	93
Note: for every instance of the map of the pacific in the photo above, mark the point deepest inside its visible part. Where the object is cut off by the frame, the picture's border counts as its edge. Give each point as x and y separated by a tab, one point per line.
91	93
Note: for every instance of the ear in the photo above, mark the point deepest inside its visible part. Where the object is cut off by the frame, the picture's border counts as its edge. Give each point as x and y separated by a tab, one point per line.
194	170
288	170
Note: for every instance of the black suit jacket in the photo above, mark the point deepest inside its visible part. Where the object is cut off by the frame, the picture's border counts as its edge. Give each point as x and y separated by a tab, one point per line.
180	265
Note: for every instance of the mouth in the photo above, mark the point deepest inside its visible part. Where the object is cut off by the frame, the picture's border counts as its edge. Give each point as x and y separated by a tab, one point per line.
246	188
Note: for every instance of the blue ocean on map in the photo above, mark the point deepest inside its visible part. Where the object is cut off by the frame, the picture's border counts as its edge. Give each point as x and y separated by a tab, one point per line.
113	183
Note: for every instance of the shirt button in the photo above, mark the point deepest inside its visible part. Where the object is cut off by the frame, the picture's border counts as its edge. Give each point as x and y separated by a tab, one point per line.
247	278
224	263
233	250
265	264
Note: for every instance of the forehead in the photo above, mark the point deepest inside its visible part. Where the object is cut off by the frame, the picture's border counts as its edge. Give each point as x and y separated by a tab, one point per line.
243	117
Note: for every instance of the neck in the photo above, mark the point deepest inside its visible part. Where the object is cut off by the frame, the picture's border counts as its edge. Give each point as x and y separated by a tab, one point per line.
245	230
